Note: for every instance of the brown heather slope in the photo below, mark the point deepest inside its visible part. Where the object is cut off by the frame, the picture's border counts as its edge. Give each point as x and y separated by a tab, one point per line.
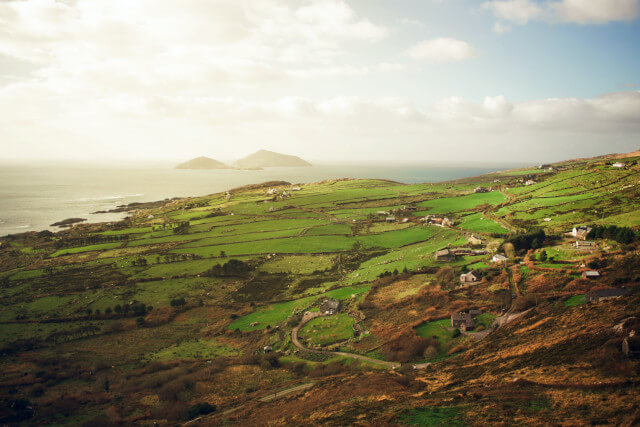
555	363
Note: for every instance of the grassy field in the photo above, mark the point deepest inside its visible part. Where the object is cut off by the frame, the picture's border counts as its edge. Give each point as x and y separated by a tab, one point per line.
327	330
461	203
277	313
299	264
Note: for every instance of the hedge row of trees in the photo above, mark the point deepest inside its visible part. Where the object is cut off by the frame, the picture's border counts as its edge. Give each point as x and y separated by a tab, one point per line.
89	240
531	240
231	268
613	232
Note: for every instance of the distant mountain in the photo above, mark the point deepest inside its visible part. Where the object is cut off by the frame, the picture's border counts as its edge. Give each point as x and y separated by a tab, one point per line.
265	158
202	163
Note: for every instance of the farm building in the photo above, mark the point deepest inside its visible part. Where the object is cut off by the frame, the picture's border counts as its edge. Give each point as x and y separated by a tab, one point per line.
462	321
580	232
469	277
480	190
390	219
618	165
590	274
475	240
330	306
605	294
444	255
530	182
585	245
499	258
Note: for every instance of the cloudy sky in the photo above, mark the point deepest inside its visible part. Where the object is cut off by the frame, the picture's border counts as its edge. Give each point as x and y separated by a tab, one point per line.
361	80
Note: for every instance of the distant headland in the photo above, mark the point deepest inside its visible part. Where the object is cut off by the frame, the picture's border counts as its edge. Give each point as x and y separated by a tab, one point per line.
256	161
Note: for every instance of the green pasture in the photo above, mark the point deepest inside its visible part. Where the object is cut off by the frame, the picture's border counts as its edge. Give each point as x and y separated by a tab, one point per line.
274	314
328	329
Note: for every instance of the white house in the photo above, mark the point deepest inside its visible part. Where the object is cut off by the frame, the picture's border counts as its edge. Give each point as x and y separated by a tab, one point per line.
469	277
617	165
499	258
580	232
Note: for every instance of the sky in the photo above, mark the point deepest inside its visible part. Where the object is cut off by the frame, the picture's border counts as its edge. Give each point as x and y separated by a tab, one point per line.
417	81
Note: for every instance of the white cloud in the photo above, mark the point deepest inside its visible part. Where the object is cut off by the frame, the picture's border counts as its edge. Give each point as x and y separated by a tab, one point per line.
520	11
596	11
500	28
572	11
442	50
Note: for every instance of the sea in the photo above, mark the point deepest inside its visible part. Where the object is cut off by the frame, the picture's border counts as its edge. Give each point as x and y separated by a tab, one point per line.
32	197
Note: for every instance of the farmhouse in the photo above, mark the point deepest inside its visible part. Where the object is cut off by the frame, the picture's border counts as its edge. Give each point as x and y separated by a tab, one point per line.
330	306
462	321
390	219
529	182
469	277
585	245
499	258
605	294
475	240
382	213
480	190
447	222
580	232
618	165
444	255
590	274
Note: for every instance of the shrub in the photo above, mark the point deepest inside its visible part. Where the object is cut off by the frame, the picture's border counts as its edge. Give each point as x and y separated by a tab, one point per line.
200	409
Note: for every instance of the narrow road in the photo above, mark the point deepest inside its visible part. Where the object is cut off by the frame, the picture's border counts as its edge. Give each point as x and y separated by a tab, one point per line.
286	392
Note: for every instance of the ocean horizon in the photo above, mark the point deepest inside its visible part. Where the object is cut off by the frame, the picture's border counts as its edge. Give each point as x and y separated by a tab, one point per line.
34	197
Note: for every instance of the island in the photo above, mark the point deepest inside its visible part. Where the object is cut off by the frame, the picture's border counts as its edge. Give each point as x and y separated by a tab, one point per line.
266	159
202	162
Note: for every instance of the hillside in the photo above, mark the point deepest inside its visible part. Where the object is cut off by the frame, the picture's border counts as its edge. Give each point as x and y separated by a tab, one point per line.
265	159
331	303
202	163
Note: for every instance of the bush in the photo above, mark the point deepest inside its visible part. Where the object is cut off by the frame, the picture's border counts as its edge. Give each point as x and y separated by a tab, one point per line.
200	409
456	333
524	302
177	302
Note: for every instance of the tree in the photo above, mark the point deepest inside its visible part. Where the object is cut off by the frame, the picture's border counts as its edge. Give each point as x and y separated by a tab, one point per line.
107	310
117	309
395	272
140	321
543	256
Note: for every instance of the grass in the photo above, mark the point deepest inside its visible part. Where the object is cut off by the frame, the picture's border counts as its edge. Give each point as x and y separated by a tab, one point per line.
436	329
433	416
328	329
575	300
196	349
277	313
460	203
477	222
89	248
298	264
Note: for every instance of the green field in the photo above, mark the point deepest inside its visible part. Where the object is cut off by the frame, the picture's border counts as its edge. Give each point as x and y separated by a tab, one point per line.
277	313
327	330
